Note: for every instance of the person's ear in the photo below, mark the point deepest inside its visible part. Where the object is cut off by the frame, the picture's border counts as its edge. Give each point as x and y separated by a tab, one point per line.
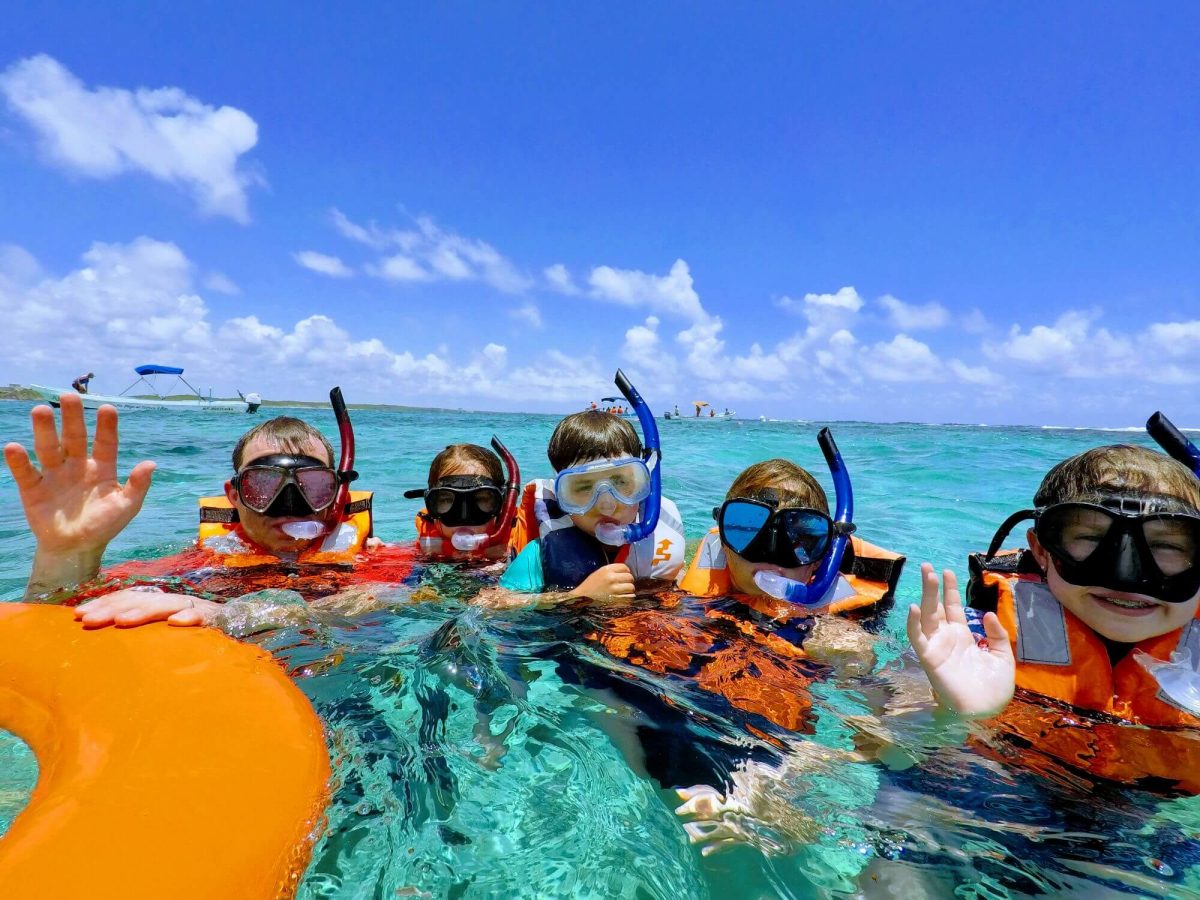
1039	552
231	493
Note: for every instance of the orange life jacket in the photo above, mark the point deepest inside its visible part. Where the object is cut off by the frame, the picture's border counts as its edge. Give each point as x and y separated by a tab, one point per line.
1061	658
869	574
220	534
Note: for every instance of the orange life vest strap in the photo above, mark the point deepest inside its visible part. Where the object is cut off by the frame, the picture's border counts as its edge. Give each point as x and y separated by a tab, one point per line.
218	518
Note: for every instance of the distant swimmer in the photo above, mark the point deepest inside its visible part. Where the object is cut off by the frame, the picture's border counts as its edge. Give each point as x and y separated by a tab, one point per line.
80	384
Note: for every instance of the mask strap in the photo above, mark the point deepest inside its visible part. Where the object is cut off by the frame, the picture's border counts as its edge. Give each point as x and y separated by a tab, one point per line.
1006	526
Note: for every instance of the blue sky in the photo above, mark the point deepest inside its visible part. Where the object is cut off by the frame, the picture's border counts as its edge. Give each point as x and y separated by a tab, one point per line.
972	213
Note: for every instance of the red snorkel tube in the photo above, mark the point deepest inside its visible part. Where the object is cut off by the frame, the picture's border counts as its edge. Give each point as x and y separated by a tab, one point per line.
467	542
345	467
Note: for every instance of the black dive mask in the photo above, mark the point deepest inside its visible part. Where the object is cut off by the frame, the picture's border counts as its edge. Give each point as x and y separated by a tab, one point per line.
458	500
1138	544
283	485
760	531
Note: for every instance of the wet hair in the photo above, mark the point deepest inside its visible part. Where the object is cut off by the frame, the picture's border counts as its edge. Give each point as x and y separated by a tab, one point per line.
1117	468
458	456
584	436
779	483
290	434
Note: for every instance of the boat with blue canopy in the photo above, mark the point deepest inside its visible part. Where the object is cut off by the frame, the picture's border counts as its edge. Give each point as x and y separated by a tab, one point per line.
157	398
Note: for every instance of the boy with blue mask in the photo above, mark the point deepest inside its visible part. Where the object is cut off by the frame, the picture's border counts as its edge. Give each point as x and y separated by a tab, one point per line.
603	484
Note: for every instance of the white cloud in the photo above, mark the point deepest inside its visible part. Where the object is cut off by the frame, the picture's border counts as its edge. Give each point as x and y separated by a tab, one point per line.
529	314
323	264
1175	338
399	268
1070	347
672	294
135	303
222	284
980	375
163	132
641	345
902	359
428	252
845	298
560	280
911	317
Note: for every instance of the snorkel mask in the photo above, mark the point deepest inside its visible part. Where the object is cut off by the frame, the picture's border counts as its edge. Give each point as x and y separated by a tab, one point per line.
1132	542
650	496
294	485
462	501
1145	544
808	534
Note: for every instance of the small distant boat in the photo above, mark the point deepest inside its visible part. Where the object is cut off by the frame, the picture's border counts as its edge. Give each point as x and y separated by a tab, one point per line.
160	399
613	402
727	416
699	415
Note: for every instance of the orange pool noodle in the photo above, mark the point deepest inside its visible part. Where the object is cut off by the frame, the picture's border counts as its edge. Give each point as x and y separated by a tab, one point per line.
173	762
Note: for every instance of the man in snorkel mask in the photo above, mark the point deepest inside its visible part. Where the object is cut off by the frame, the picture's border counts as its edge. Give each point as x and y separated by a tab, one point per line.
286	501
284	485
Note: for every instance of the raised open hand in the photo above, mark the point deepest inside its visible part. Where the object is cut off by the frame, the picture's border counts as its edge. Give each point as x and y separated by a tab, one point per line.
74	504
969	678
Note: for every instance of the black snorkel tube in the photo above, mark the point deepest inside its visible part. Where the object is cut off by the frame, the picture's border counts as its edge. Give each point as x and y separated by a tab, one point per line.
465	541
631	534
345	466
1173	441
813	593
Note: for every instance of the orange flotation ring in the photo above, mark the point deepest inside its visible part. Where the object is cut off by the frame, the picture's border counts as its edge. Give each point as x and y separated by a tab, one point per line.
172	762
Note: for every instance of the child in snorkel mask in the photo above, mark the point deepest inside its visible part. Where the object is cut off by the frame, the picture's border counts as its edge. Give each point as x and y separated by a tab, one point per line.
469	506
1103	609
775	538
603	484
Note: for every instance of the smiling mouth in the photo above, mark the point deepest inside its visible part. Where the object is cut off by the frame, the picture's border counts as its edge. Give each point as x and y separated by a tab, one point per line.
1127	602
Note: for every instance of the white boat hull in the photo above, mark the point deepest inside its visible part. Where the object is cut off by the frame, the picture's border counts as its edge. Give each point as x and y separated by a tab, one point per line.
710	419
94	401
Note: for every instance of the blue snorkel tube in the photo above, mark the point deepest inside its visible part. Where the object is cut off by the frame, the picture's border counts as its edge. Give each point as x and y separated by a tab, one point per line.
631	534
1171	439
813	593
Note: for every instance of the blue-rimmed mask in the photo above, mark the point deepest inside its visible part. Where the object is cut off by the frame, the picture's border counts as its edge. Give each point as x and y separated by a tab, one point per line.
759	532
579	488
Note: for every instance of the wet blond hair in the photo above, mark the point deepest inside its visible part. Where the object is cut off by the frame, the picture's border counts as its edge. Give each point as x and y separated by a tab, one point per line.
456	457
1117	468
780	483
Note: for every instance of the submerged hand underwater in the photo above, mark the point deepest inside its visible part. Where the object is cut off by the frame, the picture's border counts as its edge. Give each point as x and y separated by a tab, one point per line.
531	741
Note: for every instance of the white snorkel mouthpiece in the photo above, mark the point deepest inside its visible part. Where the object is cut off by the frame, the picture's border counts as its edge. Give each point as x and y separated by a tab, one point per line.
612	534
781	588
305	530
774	584
465	541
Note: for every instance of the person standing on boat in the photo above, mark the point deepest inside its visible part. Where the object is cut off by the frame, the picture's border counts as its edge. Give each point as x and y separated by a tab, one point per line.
80	384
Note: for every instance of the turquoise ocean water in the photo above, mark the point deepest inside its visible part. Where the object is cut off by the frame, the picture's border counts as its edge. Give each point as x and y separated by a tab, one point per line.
489	754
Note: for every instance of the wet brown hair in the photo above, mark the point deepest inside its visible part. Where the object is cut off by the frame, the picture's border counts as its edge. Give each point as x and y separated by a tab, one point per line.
1117	468
780	483
290	434
591	434
458	456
